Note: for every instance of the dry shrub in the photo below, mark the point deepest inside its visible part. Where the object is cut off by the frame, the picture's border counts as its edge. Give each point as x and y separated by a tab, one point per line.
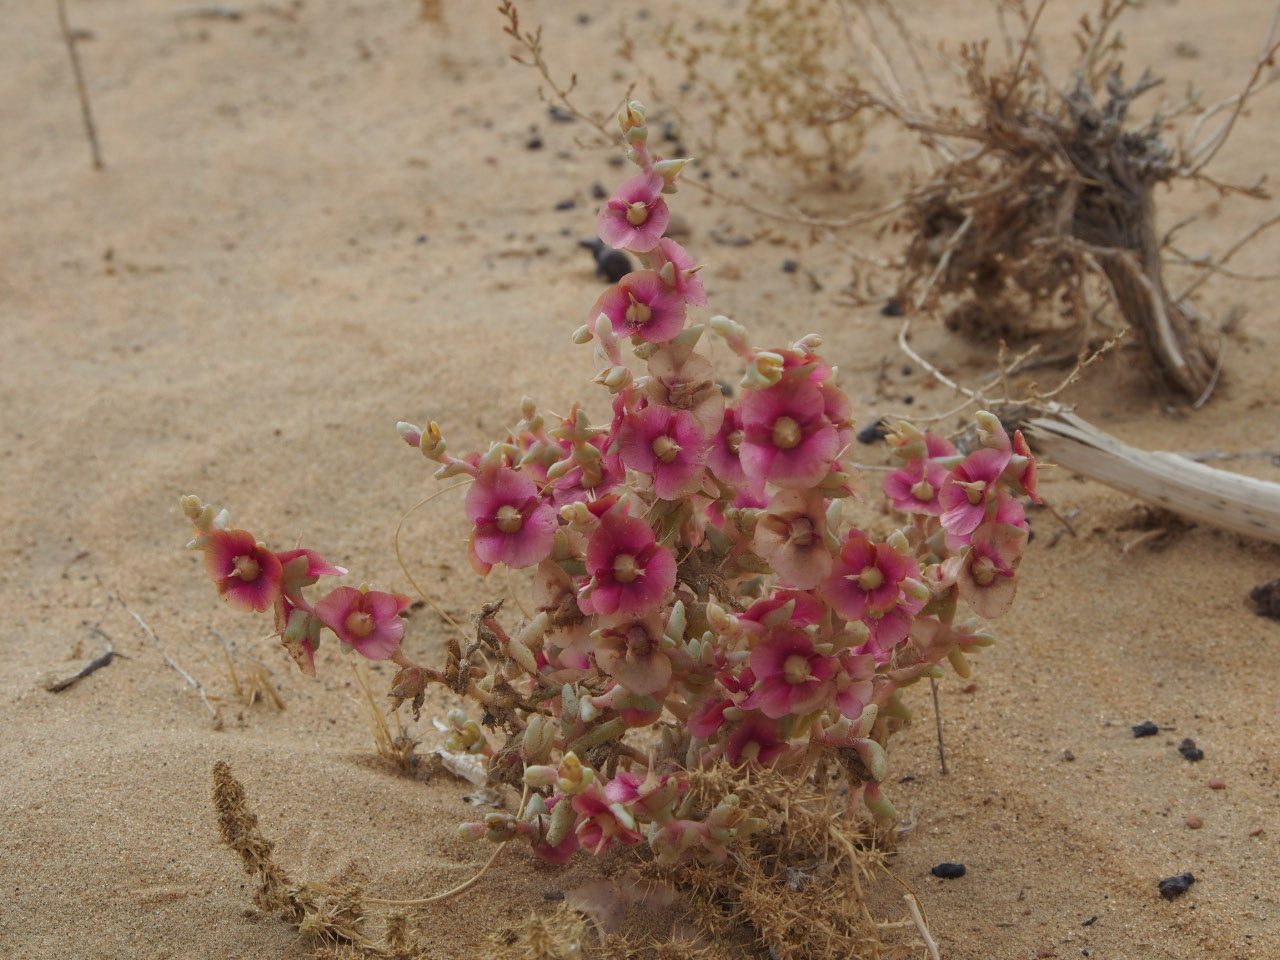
767	96
797	891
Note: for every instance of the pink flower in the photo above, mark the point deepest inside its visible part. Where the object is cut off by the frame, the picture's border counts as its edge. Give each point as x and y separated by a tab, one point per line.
968	487
512	525
986	577
370	621
726	446
791	536
630	573
631	652
866	584
246	575
787	439
668	445
794	678
636	216
914	488
641	305
652	794
603	821
679	270
757	739
305	575
708	716
686	383
854	684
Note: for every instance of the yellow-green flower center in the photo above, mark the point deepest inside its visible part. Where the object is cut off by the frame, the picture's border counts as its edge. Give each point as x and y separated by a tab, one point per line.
625	568
637	214
795	669
638	314
246	568
786	433
509	519
923	491
984	571
665	449
359	624
871	579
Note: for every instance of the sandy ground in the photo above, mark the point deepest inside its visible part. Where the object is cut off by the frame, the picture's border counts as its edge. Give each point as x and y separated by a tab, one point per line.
321	217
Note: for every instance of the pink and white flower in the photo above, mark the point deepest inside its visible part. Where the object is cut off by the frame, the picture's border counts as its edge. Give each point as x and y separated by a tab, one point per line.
668	445
244	573
636	216
512	523
630	573
969	487
369	621
793	677
680	271
641	305
787	438
866	583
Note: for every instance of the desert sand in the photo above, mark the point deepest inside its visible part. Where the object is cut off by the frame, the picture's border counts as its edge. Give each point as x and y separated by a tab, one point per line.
320	217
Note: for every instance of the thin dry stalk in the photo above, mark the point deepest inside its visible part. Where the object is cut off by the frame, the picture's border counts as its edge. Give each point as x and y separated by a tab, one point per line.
86	112
169	662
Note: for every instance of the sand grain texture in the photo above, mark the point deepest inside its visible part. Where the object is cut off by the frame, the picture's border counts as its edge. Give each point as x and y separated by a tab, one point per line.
321	217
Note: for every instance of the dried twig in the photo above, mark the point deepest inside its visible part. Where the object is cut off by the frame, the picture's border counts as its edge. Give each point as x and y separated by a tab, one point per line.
168	661
81	89
109	654
937	720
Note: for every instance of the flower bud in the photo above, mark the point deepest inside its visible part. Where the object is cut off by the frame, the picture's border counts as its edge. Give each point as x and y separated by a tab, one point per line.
582	334
471	831
676	622
409	433
562	820
960	663
191	507
537	776
668	170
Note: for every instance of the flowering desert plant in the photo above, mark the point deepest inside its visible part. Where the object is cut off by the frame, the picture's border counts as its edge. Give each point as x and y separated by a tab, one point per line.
701	599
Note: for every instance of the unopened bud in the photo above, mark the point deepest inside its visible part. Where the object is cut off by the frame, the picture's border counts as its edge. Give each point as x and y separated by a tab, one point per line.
582	334
410	434
191	507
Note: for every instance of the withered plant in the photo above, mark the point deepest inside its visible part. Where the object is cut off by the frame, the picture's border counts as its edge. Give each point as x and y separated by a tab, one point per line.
1039	212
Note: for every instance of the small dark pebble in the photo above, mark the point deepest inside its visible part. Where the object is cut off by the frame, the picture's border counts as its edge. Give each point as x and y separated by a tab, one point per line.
790	266
611	264
908	399
1266	599
559	114
891	309
1145	729
1189	750
907	779
566	204
598	192
873	432
616	160
906	371
583	19
420	238
552	894
534	142
1173	887
952	871
670	132
1090	922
